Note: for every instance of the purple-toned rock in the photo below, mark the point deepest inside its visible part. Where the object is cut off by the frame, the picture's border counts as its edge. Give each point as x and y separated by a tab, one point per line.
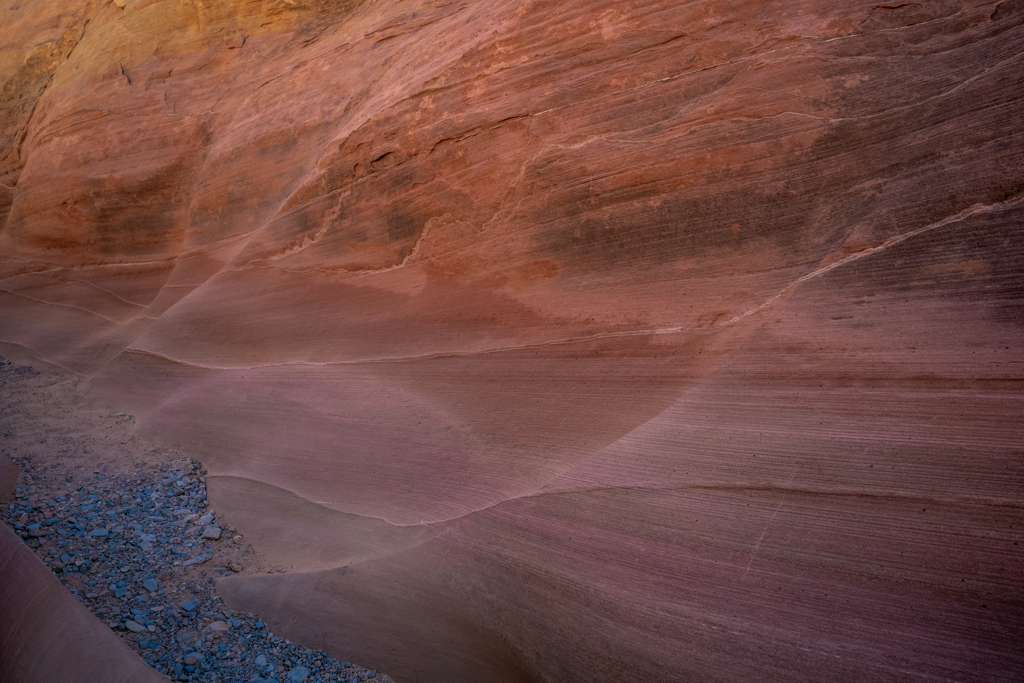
676	338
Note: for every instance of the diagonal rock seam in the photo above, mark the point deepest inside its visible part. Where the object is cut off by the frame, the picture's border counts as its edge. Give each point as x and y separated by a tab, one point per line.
969	212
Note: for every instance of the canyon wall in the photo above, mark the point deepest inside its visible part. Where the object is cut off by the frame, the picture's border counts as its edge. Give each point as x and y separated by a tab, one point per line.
554	341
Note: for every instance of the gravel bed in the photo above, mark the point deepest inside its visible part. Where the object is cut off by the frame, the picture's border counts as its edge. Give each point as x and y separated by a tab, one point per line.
141	552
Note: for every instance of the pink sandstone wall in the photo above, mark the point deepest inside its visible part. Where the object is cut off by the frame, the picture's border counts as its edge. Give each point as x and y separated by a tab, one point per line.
555	341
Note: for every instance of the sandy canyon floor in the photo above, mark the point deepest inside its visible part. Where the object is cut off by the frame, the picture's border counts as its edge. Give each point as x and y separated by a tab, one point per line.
126	527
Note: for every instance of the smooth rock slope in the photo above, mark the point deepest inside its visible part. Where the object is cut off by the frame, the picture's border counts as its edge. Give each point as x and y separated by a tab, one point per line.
56	639
550	341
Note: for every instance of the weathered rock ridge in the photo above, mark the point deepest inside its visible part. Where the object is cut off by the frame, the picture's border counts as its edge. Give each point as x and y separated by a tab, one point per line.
539	340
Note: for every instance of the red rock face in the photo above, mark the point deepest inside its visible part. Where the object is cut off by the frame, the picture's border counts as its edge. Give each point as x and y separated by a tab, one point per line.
556	341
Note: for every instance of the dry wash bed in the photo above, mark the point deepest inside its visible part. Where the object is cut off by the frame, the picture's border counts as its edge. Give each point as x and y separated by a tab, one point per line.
136	542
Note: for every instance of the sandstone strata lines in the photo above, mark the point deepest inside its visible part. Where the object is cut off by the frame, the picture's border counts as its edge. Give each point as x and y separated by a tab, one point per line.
676	336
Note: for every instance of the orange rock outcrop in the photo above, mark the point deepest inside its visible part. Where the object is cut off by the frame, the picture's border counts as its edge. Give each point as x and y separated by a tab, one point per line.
555	341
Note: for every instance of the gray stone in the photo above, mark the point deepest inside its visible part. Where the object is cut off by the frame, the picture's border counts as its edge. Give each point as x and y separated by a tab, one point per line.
142	540
99	533
211	532
199	559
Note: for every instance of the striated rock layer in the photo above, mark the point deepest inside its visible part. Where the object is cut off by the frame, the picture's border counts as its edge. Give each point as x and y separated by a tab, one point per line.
550	341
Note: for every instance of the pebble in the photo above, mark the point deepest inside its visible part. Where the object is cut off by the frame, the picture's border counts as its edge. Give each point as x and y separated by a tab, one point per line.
126	543
218	627
198	559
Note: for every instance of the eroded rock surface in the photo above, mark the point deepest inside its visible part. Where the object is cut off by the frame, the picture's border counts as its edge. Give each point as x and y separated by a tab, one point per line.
544	339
